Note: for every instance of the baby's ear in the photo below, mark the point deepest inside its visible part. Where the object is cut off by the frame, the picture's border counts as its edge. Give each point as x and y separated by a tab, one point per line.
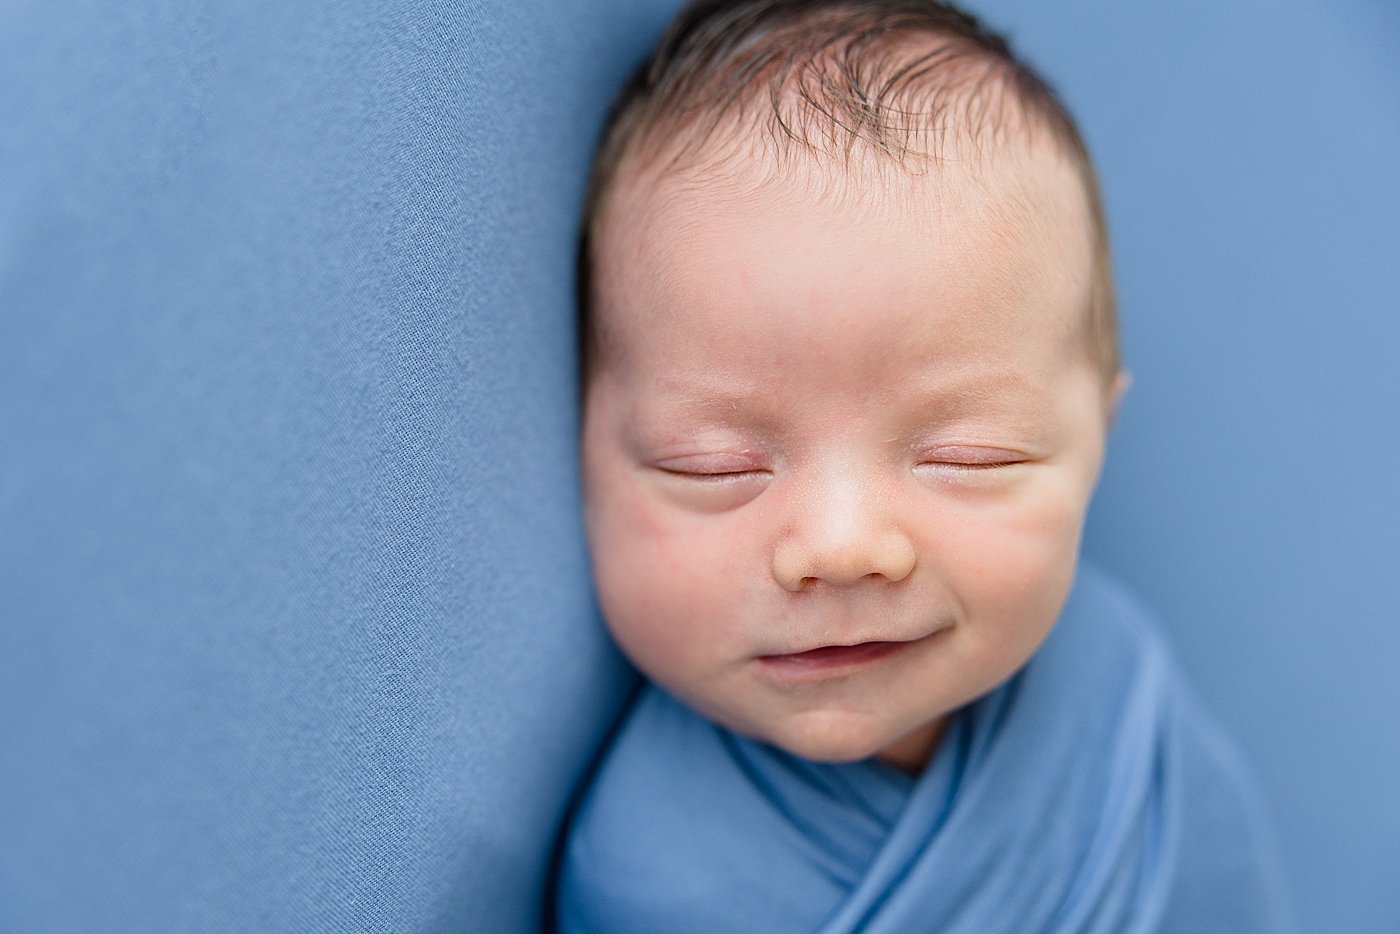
1121	382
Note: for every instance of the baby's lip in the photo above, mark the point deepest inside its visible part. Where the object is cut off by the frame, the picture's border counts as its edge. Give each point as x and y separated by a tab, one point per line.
829	660
874	642
838	649
837	659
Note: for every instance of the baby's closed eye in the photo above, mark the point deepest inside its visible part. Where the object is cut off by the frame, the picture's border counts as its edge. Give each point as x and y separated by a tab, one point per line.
712	482
713	467
971	457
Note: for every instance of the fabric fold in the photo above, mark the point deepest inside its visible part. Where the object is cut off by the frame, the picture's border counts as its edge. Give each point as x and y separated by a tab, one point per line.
1089	793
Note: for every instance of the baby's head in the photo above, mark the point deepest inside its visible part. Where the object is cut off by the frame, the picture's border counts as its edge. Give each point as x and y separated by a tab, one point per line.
849	360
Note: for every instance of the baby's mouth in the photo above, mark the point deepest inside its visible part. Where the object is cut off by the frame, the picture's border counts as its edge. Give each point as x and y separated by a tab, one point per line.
828	660
830	653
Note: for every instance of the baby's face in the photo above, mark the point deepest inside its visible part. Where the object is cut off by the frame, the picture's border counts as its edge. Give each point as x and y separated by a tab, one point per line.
838	449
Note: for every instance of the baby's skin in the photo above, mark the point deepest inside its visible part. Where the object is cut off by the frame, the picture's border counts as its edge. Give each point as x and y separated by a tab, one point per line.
841	432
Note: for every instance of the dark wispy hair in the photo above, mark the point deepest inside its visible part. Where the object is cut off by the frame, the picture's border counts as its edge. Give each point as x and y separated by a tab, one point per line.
897	79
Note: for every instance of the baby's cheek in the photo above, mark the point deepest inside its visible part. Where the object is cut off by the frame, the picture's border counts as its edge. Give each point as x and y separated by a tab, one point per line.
1006	545
638	612
659	588
1031	540
1017	562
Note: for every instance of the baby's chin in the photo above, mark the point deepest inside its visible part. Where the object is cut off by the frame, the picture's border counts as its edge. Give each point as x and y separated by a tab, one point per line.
837	737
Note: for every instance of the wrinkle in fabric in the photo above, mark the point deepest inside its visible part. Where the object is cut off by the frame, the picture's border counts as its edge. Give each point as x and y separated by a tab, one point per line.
1089	793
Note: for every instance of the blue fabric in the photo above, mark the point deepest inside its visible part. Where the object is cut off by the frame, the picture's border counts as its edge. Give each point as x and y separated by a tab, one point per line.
296	631
1090	793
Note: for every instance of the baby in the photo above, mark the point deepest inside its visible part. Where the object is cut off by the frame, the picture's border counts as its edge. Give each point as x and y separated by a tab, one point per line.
850	359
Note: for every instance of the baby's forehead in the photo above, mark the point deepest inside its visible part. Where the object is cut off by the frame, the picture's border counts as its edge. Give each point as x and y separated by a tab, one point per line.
971	215
1015	181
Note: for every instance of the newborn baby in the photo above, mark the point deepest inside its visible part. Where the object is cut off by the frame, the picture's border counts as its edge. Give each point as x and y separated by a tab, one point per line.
850	359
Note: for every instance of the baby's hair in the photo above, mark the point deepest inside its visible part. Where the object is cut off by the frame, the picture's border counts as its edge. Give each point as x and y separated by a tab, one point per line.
892	80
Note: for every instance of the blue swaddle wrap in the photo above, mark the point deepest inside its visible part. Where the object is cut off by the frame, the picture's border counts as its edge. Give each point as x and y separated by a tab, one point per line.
1088	793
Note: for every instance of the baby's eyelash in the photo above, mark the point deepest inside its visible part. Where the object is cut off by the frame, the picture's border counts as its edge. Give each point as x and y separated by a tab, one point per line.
713	476
975	465
969	460
719	464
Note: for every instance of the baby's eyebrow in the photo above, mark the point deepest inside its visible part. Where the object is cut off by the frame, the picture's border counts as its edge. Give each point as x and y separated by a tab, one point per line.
980	389
954	387
690	416
726	396
691	407
703	395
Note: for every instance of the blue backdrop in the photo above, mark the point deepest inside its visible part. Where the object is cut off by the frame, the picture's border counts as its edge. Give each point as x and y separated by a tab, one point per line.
295	630
1251	160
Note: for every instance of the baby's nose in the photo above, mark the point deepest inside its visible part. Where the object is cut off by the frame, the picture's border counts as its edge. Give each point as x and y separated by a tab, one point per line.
841	534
